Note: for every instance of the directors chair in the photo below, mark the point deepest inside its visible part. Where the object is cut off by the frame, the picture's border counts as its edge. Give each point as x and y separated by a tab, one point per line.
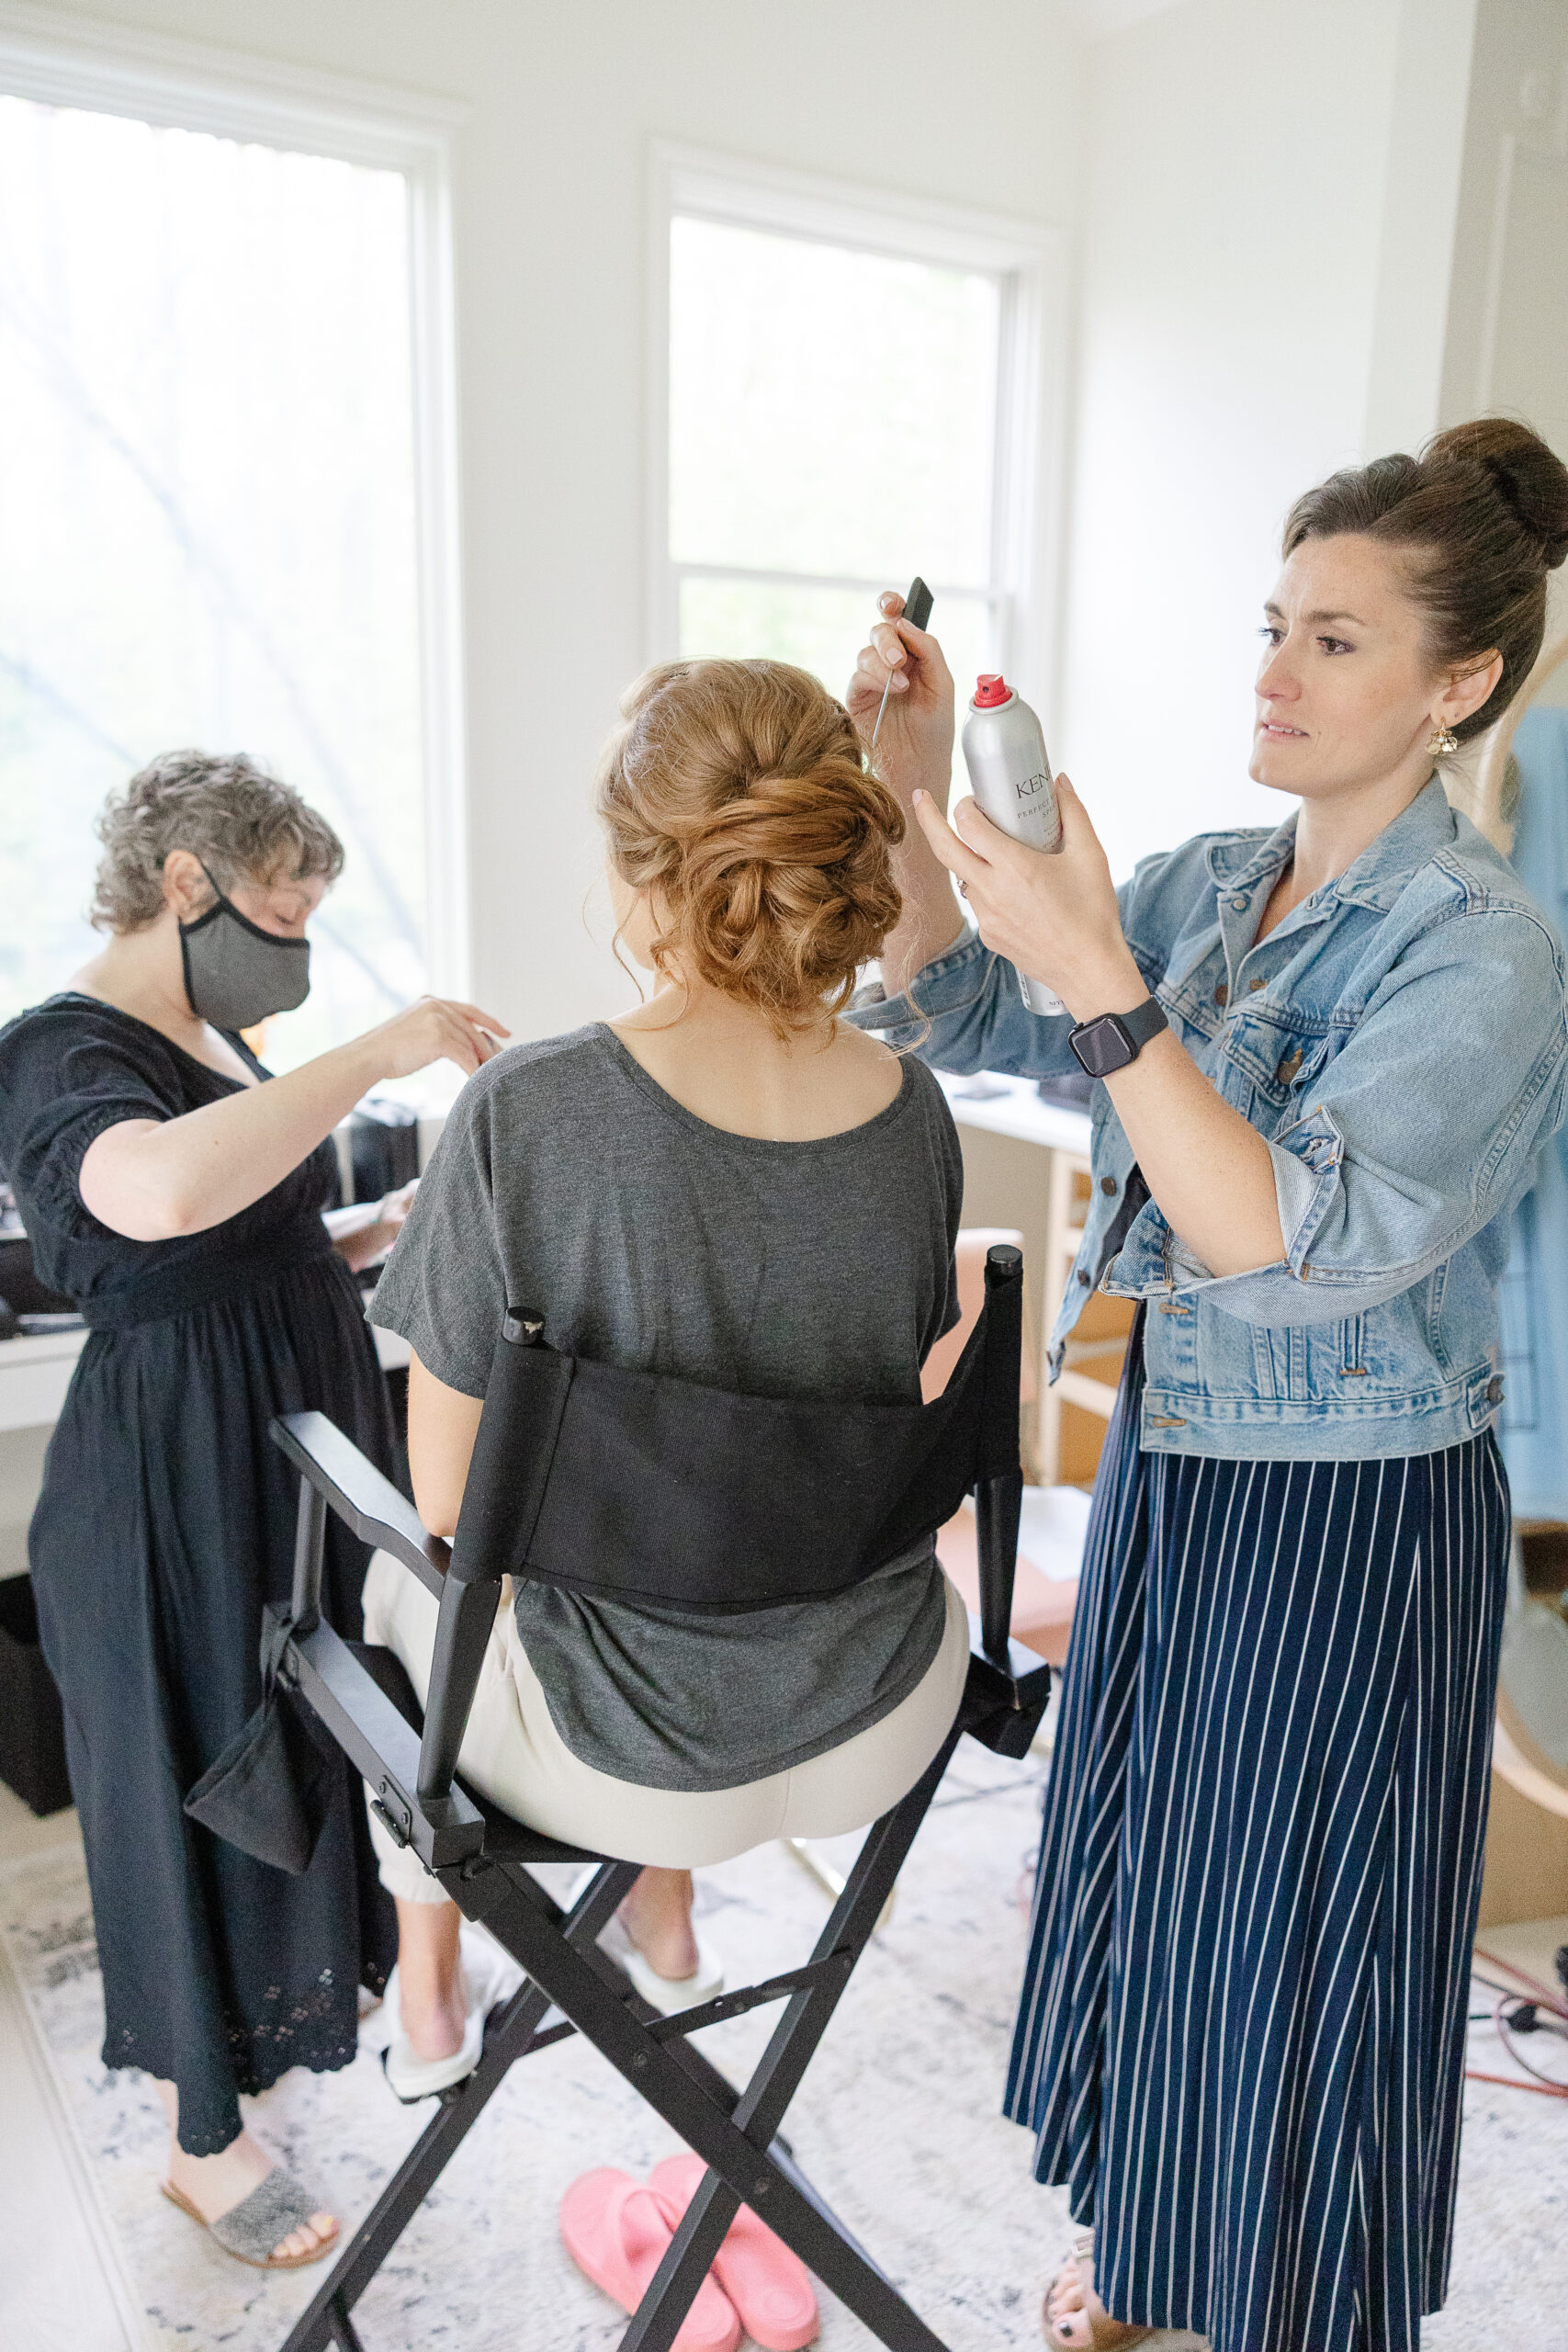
638	1487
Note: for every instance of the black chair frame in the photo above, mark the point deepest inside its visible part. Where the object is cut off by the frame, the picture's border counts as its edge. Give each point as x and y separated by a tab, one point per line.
483	1857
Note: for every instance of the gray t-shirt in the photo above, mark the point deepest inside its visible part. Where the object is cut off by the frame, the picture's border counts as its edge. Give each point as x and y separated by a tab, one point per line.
569	1181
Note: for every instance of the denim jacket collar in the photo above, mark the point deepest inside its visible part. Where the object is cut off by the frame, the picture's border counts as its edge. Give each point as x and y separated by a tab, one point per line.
1376	879
1239	861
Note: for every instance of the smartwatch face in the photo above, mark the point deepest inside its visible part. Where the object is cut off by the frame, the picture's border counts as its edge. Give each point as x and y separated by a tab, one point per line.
1103	1046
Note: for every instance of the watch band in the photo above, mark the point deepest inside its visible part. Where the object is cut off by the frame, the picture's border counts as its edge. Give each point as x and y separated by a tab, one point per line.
1109	1042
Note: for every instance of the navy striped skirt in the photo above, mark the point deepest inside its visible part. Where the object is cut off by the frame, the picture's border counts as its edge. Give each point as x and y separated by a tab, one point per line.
1241	2040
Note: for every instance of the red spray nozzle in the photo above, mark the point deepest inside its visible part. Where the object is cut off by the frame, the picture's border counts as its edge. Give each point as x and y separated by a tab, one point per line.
991	689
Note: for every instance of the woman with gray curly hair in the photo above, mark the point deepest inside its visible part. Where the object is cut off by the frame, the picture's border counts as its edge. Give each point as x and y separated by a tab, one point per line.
178	1200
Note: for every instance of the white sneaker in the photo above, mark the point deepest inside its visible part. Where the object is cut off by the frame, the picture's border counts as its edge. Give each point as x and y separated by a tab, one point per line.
490	1978
666	1993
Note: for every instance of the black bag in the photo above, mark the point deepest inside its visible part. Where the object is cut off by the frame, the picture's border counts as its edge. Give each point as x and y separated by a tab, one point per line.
269	1790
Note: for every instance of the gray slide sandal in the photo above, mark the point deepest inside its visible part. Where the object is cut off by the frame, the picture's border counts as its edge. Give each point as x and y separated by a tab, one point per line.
250	2229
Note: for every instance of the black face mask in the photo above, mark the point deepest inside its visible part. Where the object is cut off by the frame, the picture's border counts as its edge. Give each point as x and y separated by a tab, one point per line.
237	974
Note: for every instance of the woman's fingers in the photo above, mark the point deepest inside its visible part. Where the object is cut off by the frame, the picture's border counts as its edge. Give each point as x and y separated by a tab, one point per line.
473	1013
977	830
978	833
871	672
462	1032
862	696
474	1033
945	844
901	683
470	1046
874	674
1077	822
890	646
910	656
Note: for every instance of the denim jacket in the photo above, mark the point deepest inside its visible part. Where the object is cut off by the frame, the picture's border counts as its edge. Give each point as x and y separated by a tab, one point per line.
1400	1042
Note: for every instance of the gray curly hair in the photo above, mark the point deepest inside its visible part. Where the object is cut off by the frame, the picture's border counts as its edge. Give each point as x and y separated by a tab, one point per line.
242	822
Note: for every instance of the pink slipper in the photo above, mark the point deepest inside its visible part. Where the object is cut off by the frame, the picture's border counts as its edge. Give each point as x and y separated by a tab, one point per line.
616	2233
769	2286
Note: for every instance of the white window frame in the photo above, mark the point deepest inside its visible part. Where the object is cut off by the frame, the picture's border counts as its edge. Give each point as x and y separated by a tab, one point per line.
1029	260
109	69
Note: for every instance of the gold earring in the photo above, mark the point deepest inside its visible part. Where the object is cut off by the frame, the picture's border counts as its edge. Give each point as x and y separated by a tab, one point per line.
1444	741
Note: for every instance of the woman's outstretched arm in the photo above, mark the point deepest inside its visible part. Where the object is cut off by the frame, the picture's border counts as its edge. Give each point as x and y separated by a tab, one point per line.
153	1180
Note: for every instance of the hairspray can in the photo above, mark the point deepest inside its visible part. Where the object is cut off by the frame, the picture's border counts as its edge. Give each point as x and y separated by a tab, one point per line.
1010	775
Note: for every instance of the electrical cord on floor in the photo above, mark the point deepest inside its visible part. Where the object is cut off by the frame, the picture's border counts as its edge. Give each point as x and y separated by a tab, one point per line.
1537	2010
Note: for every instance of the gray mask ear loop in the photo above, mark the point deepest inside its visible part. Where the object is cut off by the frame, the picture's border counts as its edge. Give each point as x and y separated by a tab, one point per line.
200	922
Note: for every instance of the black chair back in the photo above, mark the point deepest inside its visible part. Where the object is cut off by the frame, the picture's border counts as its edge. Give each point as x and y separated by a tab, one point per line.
638	1487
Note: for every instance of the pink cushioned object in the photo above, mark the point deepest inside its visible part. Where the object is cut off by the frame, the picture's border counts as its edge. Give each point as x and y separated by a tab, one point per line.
617	2233
769	2286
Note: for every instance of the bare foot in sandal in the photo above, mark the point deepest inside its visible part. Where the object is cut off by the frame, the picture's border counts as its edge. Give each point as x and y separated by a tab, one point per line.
212	2188
1074	2318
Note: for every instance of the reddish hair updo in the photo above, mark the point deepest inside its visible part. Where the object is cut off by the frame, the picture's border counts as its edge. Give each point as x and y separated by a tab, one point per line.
736	793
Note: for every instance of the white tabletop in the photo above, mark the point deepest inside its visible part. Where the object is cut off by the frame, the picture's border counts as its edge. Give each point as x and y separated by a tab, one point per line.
1013	1106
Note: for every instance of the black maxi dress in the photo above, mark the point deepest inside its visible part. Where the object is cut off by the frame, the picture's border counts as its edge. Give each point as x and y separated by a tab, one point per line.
165	1523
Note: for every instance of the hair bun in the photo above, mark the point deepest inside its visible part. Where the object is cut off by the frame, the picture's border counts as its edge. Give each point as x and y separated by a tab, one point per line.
1529	478
737	790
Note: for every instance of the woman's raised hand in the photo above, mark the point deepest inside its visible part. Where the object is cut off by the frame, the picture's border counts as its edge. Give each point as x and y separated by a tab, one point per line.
915	747
433	1029
154	1179
1055	918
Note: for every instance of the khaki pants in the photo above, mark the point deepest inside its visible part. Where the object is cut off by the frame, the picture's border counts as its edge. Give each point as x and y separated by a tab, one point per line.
513	1755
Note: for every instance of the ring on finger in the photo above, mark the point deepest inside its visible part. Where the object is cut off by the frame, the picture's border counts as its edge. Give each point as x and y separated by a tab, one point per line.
964	889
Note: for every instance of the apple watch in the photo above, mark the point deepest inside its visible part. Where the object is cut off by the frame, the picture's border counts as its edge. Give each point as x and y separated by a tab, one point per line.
1112	1040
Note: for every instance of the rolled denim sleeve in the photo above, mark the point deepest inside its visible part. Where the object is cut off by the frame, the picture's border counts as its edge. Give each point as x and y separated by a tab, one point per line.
964	1013
1420	1132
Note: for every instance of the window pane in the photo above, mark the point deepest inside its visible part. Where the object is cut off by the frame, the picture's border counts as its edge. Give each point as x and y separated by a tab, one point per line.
822	630
830	411
207	521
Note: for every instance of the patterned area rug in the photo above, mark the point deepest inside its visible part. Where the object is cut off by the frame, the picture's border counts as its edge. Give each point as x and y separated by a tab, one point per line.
898	2124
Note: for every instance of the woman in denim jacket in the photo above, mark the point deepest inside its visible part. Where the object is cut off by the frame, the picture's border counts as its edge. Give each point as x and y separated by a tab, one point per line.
1241	2040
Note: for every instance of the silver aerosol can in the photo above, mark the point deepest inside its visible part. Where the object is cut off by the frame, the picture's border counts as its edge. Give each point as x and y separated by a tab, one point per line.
1010	775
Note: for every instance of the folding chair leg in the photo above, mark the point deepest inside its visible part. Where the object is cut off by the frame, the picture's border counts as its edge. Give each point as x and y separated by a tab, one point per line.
344	2334
736	2149
762	2105
326	2322
736	2132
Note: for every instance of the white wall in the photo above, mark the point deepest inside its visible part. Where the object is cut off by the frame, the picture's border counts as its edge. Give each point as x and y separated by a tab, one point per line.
1241	239
974	105
1506	345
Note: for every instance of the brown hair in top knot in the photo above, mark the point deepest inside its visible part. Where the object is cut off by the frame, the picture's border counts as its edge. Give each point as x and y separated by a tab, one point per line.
735	792
1481	517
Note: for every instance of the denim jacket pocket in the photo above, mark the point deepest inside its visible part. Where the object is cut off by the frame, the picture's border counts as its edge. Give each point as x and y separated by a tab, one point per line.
1279	1058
